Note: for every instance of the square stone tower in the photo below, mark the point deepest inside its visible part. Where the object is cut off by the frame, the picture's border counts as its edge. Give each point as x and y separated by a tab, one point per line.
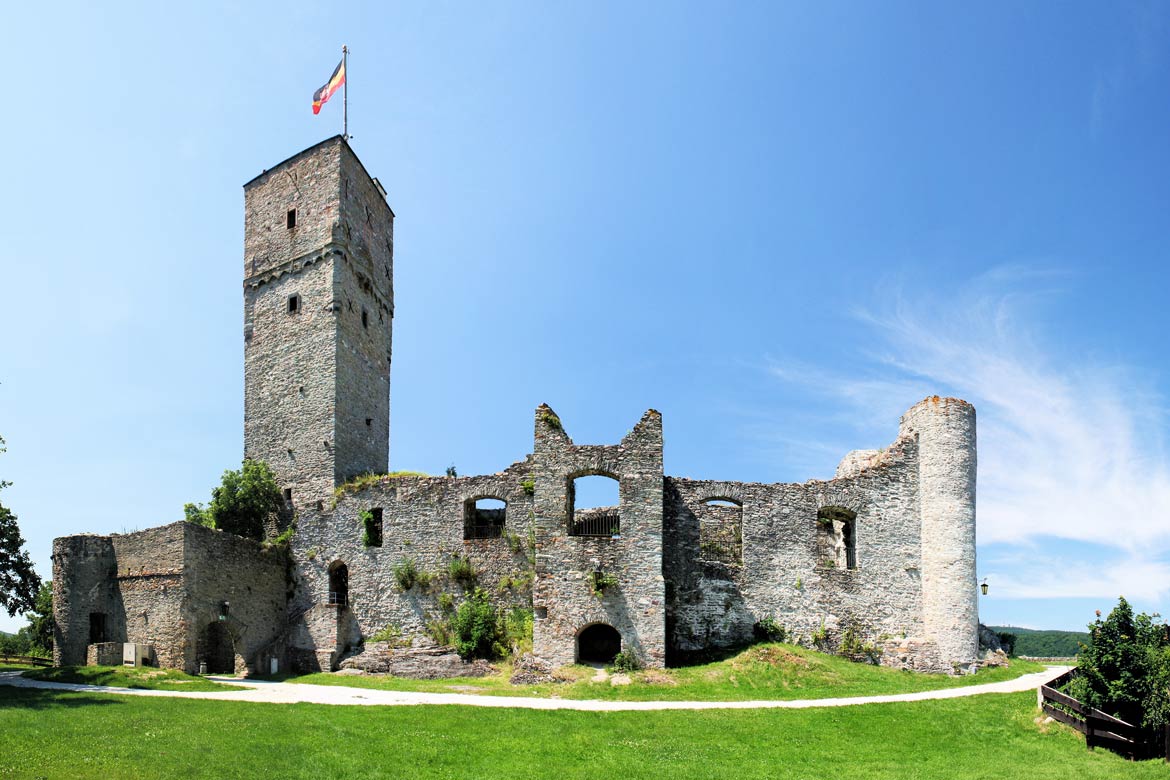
318	314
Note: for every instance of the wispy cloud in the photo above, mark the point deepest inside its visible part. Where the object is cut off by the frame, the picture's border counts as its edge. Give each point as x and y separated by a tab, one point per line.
1069	448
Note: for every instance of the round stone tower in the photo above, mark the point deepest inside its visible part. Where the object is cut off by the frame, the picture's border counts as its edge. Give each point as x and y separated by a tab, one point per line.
945	428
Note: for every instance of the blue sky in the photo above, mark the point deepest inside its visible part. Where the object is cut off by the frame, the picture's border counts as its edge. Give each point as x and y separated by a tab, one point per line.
780	225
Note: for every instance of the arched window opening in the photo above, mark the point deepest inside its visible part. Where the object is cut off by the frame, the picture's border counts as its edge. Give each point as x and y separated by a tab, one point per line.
837	537
599	644
594	506
483	518
721	531
338	583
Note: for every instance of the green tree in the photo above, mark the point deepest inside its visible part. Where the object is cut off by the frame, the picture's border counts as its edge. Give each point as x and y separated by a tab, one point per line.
241	503
478	628
1124	669
18	581
40	620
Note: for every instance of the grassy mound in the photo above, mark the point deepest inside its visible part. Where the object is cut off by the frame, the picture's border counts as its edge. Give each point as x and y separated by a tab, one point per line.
765	671
127	677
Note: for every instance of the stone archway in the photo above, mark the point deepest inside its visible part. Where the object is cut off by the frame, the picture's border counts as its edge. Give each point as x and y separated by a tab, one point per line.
219	649
598	643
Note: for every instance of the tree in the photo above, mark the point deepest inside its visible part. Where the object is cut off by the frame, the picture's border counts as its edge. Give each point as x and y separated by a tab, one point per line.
241	503
1125	667
18	581
40	620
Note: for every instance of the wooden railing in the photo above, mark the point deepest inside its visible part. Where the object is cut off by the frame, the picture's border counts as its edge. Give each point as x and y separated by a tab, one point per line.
1100	728
27	660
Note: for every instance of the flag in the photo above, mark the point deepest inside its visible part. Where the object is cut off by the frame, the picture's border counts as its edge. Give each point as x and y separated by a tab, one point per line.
334	84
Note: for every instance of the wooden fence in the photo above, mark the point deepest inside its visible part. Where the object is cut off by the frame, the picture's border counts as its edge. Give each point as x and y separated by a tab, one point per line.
27	660
1102	729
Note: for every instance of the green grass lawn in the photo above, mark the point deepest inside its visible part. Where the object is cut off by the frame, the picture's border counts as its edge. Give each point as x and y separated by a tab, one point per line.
16	667
45	734
128	677
767	671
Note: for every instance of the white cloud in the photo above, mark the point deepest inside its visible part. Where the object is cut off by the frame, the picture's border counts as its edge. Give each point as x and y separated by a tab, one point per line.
1069	448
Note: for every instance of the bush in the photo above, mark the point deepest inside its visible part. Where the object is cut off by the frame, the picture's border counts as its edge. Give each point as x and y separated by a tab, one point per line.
626	661
1007	640
1125	667
601	581
241	503
768	630
477	629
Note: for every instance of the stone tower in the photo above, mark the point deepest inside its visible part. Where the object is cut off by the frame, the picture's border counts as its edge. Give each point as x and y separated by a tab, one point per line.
318	314
945	429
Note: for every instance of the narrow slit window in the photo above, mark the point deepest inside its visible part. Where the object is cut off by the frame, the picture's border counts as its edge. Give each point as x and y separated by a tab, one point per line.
294	303
288	495
365	318
290	219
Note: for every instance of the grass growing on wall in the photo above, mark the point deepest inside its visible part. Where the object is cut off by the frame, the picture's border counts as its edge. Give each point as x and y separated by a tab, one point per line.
112	737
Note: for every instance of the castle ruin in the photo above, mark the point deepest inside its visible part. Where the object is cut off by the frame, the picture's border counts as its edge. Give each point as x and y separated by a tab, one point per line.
882	554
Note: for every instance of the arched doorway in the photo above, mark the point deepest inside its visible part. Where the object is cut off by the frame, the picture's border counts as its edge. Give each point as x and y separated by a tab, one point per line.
338	583
598	643
218	649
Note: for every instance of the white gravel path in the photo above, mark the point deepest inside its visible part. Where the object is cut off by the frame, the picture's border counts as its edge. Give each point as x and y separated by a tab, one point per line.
289	693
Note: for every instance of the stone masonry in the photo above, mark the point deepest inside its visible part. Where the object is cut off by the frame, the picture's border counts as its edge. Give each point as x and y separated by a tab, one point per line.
879	560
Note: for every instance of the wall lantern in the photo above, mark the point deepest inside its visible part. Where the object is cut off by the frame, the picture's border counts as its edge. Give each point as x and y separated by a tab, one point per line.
983	586
223	610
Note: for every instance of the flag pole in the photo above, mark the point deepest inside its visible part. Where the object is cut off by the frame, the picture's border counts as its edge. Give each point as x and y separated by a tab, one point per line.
345	93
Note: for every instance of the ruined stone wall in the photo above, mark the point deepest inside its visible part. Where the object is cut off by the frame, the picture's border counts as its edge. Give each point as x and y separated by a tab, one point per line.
563	600
254	580
423	523
788	570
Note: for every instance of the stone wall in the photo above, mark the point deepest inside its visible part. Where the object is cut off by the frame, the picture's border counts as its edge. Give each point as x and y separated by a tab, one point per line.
563	599
422	526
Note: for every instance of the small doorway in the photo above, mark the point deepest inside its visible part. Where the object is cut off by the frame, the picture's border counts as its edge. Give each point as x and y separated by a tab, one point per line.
598	643
219	649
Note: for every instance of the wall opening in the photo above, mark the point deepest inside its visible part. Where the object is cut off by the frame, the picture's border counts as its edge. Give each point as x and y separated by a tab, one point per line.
598	644
594	505
218	649
484	518
837	537
290	219
372	527
294	303
721	531
97	627
338	583
365	318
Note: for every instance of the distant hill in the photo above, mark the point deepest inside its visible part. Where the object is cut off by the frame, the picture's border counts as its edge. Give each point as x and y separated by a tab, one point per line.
1045	644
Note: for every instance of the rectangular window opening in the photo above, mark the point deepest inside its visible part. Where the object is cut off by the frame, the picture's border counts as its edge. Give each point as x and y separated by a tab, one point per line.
365	318
97	627
290	219
288	495
372	536
294	303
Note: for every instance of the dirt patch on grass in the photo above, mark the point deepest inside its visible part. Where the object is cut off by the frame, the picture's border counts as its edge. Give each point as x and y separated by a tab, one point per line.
657	677
770	656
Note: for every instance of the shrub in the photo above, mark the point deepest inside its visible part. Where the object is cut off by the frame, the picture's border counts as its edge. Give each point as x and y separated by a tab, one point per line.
626	661
1125	667
768	630
518	629
549	418
528	485
392	634
855	648
462	571
1007	641
241	503
477	629
371	534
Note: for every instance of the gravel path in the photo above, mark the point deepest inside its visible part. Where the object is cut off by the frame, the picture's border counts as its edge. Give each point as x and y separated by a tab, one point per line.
288	693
